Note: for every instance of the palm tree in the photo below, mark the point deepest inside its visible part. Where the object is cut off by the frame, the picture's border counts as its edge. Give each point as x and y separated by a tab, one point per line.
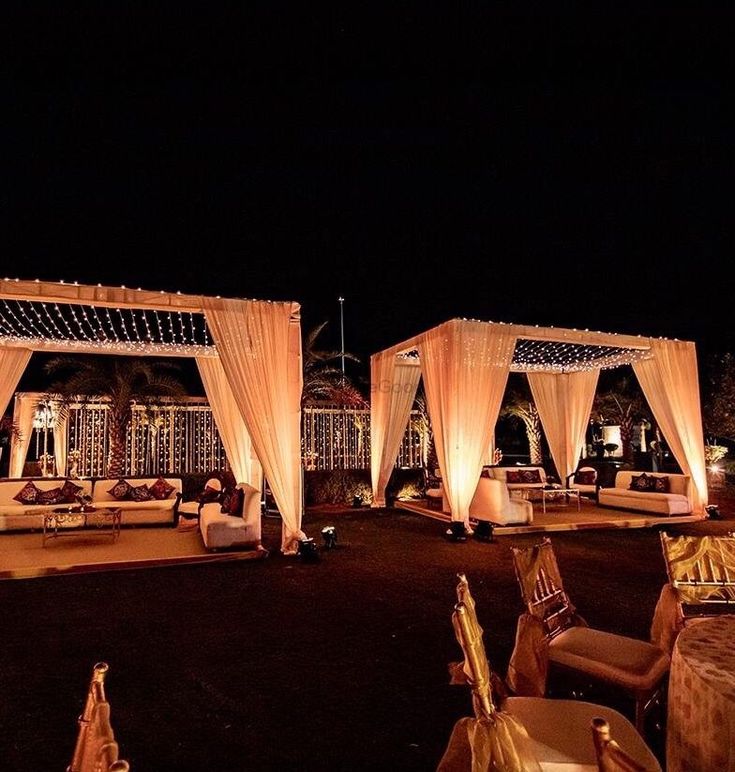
323	380
621	402
119	380
519	405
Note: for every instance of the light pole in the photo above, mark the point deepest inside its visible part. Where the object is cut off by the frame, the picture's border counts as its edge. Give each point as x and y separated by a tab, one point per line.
342	332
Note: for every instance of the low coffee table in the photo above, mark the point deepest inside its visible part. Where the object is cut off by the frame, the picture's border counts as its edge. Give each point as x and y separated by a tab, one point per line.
82	522
560	496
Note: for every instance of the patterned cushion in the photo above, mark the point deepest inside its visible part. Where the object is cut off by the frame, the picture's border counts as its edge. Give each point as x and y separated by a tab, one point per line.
52	496
208	495
69	492
161	489
121	490
661	485
140	493
236	502
588	477
513	477
224	500
28	494
530	476
641	482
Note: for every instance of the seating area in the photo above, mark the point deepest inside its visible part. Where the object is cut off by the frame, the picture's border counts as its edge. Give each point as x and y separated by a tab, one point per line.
143	501
529	499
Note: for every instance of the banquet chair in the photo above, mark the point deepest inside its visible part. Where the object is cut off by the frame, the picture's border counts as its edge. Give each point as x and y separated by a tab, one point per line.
636	667
701	569
523	733
96	749
610	756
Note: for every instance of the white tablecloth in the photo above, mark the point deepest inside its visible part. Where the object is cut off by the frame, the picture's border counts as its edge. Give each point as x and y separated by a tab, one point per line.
701	723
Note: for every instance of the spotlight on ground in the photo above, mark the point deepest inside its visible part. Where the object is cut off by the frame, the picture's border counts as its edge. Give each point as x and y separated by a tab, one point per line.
484	530
307	551
329	534
457	531
713	513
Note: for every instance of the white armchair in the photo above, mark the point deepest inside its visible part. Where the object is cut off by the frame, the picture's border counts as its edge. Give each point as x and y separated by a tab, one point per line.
492	502
221	531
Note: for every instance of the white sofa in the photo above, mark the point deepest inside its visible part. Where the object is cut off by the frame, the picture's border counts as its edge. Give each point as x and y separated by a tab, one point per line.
676	502
15	516
139	512
501	473
493	502
220	531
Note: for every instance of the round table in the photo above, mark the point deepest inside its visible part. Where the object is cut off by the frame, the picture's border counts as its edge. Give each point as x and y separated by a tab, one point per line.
700	735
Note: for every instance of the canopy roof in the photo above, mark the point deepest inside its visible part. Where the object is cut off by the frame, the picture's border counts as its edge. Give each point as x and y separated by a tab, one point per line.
78	318
552	349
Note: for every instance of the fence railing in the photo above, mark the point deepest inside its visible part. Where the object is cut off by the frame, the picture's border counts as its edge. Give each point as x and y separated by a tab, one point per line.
182	437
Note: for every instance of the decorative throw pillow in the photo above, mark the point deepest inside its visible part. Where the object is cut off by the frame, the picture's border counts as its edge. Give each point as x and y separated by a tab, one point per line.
69	492
661	484
208	495
513	477
588	477
140	493
161	489
28	494
530	476
486	473
641	482
121	490
224	500
236	502
52	496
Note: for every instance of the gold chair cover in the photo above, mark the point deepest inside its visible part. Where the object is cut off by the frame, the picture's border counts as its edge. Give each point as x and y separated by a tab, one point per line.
538	574
96	749
492	740
702	568
610	756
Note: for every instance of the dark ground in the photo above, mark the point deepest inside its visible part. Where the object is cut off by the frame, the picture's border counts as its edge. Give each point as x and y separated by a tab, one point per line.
275	664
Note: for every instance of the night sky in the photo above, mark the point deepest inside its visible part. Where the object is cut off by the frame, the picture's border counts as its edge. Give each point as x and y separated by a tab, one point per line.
572	169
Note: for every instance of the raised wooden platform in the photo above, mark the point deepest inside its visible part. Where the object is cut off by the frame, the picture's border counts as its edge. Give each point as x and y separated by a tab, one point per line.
23	556
566	518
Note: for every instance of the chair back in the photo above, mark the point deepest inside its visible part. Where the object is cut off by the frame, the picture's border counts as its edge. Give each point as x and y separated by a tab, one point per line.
610	756
541	587
468	632
96	749
702	571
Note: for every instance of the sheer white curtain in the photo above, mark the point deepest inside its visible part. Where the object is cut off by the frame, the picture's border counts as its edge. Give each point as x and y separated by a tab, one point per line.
24	410
465	367
393	389
259	345
13	361
564	402
227	417
671	385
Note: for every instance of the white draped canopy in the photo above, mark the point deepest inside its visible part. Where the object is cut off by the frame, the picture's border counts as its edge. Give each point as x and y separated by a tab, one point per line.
252	373
465	366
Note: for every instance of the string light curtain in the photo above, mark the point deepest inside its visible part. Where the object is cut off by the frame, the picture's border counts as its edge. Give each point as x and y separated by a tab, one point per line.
564	403
465	367
393	385
671	385
259	345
